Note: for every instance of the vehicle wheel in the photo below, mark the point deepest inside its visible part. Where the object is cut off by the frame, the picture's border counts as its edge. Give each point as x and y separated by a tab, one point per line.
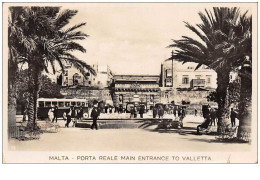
85	115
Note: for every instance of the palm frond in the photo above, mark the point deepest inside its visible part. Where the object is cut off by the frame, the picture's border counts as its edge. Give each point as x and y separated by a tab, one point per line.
63	18
74	27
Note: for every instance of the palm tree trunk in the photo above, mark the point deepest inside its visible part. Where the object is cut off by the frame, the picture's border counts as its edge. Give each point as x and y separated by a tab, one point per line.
223	99
12	69
34	74
245	104
11	106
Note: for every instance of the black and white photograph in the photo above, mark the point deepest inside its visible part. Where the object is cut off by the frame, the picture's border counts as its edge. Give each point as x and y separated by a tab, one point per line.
130	83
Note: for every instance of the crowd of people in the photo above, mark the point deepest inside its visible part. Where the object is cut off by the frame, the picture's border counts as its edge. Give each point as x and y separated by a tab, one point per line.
73	114
177	111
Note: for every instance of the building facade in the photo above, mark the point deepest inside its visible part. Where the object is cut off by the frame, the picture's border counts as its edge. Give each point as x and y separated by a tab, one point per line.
73	77
91	87
136	89
181	83
185	75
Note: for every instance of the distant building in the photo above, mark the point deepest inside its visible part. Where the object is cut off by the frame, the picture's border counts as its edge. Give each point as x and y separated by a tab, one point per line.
136	89
73	77
185	76
89	87
181	83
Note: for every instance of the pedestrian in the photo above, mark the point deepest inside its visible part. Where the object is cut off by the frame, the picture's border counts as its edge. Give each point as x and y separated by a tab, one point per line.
80	113
160	111
174	110
68	115
55	114
183	112
141	112
73	115
233	117
131	112
51	114
135	112
25	115
106	108
155	112
94	115
205	111
179	112
195	111
213	116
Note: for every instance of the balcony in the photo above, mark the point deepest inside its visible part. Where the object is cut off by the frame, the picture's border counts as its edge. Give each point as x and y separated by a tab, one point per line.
197	83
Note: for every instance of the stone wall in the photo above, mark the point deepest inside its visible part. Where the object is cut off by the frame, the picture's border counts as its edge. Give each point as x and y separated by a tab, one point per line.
89	94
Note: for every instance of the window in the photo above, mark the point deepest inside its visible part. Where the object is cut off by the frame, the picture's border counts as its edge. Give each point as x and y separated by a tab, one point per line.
121	98
151	98
190	67
168	73
67	104
89	82
230	77
47	104
208	79
98	82
185	79
166	95
66	73
61	104
66	80
41	104
168	82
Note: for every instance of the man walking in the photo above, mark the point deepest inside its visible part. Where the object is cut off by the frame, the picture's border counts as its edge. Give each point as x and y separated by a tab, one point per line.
233	117
195	111
69	111
55	114
94	115
141	112
73	116
135	112
80	113
155	112
160	111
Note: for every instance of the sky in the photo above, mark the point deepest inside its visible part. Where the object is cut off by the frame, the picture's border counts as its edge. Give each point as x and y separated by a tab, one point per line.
132	38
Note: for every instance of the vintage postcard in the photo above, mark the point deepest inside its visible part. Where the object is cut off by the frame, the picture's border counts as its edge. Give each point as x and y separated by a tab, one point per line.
130	83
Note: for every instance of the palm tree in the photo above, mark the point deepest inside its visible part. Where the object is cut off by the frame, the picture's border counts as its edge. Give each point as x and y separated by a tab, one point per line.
15	57
48	44
224	40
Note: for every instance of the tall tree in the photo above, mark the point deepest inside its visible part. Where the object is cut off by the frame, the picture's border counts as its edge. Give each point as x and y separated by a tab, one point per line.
48	43
16	55
224	39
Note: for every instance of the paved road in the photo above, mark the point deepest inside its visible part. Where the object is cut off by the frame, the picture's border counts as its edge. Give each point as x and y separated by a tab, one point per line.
149	139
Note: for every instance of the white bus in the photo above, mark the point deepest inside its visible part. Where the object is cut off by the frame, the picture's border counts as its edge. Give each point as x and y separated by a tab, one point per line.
44	104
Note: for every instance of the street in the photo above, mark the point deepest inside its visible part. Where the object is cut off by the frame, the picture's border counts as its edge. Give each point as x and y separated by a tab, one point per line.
137	139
